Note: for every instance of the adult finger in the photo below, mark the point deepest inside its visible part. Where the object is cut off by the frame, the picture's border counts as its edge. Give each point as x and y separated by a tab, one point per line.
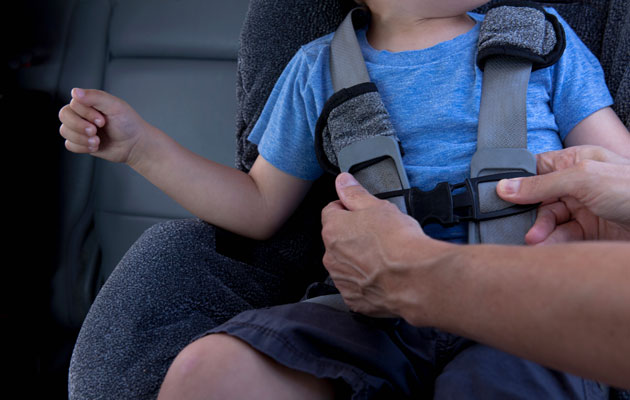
569	232
332	207
558	160
353	195
530	190
331	213
547	219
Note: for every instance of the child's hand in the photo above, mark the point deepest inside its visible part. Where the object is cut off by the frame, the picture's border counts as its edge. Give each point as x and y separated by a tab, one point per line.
100	124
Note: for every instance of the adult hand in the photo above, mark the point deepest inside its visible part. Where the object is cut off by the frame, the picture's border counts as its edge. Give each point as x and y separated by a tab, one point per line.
585	192
371	249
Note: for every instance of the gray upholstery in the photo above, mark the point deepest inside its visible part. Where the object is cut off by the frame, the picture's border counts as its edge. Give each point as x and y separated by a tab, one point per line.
169	288
175	63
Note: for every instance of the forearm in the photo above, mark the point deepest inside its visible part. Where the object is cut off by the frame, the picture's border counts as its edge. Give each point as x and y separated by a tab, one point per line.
218	194
565	306
602	128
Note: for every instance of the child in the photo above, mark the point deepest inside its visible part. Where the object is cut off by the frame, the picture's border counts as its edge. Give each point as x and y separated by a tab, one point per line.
419	53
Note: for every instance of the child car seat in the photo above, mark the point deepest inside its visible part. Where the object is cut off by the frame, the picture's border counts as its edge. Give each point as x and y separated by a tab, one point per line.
120	335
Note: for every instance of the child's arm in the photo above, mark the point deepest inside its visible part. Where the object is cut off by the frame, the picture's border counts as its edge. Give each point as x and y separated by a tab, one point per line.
601	128
253	205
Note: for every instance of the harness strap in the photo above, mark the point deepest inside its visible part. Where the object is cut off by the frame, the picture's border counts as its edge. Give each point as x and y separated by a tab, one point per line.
347	67
362	142
514	38
502	146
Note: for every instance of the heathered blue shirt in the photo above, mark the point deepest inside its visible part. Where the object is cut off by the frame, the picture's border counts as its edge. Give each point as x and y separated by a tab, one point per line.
432	96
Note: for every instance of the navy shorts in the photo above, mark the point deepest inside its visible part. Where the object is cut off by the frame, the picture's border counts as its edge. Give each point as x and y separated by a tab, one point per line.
371	358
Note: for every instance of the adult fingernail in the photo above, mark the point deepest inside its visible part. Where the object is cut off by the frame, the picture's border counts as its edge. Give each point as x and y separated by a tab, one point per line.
509	186
345	180
78	92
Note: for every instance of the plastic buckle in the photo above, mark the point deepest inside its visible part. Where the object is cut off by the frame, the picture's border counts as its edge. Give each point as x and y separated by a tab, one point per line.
442	206
468	202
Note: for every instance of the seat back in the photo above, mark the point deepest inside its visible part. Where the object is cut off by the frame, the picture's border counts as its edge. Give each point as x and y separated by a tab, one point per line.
174	61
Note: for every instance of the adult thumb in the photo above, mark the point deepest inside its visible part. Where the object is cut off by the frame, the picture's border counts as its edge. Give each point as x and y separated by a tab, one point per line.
538	188
352	194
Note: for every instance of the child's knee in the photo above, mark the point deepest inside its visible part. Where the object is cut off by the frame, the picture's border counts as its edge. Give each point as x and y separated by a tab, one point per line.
206	365
213	351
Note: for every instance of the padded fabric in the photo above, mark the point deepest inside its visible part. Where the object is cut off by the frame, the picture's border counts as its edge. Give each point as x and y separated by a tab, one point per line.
170	287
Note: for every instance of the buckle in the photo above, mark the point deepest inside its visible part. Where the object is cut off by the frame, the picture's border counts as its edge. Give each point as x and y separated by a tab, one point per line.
441	205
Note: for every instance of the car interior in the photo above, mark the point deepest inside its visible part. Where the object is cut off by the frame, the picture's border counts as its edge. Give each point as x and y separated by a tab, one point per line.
197	69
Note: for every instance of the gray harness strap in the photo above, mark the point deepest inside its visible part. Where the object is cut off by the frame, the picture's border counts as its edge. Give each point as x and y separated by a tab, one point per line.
508	32
367	134
347	67
502	147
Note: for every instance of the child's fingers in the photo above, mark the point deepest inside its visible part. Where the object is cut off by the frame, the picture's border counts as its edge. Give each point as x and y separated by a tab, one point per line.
87	113
79	138
78	148
75	122
76	129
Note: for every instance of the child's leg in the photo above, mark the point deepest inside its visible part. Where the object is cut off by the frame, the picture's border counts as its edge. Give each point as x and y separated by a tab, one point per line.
219	366
481	372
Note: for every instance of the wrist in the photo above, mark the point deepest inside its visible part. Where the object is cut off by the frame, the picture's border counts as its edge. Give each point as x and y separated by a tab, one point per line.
433	267
142	148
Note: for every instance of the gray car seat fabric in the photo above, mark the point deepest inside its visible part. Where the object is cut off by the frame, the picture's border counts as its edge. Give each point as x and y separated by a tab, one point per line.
173	284
170	287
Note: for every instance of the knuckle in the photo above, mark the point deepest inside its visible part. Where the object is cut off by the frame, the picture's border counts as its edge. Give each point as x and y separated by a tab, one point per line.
330	238
62	113
69	145
328	259
389	206
587	166
326	234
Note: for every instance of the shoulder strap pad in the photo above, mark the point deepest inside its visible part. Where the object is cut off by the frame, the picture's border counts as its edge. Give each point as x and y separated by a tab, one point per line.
521	29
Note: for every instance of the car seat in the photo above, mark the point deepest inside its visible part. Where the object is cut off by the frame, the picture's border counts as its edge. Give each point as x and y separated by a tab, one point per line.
174	62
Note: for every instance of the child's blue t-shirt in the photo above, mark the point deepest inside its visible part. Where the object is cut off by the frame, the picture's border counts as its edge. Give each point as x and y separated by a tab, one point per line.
432	96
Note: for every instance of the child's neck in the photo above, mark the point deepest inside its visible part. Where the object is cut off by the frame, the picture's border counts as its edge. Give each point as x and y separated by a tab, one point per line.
407	33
